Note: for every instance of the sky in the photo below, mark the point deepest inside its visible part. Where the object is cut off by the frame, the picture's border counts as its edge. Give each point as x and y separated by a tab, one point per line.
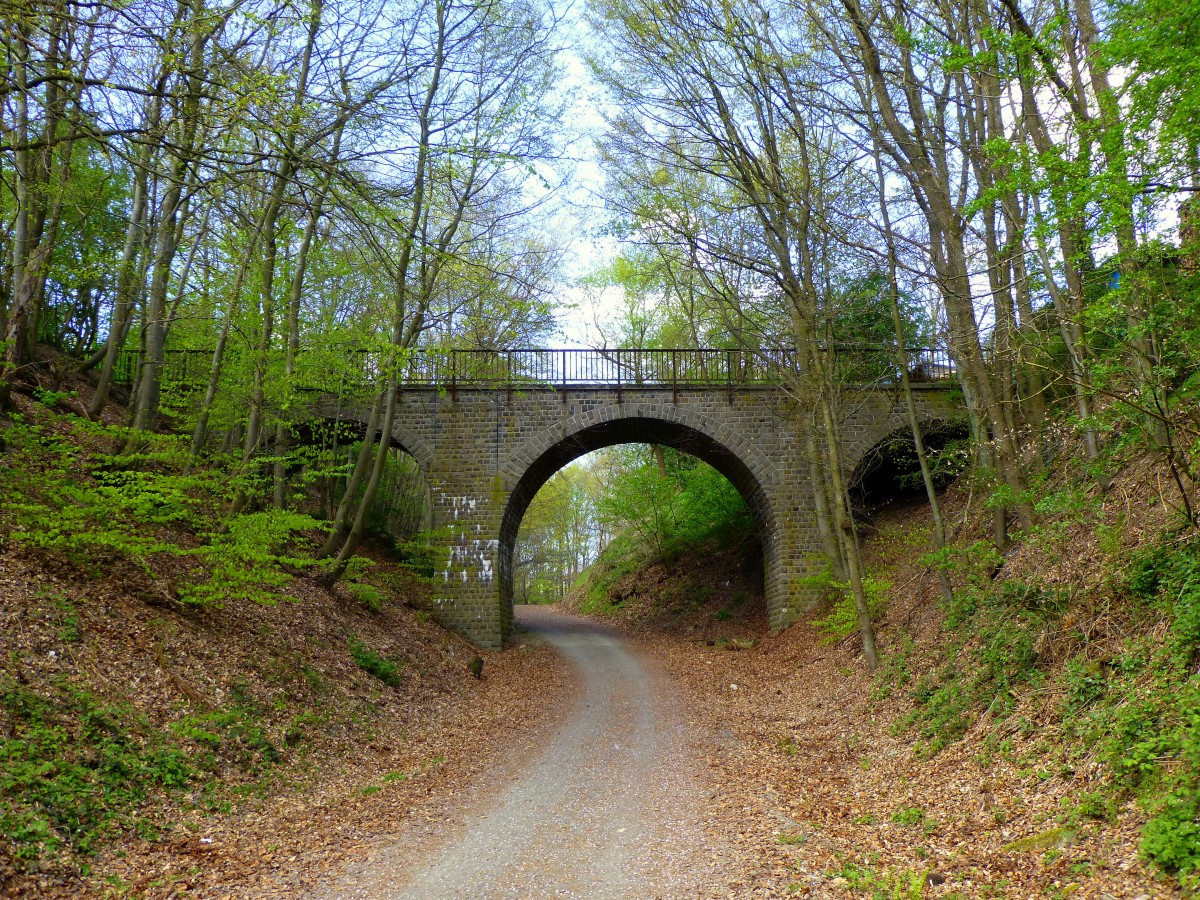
580	217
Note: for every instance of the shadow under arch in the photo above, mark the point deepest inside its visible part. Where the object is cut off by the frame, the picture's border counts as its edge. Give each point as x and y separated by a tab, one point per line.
633	430
889	469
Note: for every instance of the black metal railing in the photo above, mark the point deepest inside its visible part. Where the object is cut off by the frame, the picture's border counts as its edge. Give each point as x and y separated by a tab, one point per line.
528	368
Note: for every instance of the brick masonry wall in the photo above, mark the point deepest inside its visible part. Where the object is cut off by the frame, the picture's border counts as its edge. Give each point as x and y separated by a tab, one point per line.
485	453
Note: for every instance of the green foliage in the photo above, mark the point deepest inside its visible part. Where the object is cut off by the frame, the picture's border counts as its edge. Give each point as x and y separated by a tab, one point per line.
560	535
623	556
234	733
842	620
1171	839
73	768
53	399
386	670
895	670
417	555
946	463
885	884
909	815
860	313
246	561
368	595
1140	712
1169	577
1086	681
1155	41
677	510
65	493
996	628
58	496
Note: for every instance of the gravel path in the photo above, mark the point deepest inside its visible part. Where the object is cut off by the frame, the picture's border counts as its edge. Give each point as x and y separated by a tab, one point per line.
610	806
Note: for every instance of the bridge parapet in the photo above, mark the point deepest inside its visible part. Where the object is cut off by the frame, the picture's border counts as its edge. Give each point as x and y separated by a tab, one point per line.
329	369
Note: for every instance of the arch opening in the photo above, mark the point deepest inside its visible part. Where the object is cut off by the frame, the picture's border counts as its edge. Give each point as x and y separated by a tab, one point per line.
890	472
404	501
639	430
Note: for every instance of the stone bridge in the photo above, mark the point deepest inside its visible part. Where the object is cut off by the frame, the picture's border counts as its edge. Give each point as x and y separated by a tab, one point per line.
488	431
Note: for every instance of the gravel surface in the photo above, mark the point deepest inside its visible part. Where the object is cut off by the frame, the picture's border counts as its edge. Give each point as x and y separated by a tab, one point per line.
609	806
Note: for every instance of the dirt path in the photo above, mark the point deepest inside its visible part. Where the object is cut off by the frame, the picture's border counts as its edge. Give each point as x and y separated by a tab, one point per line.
609	807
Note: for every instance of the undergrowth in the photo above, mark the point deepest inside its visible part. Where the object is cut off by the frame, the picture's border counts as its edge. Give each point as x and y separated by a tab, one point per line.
1135	710
659	517
842	619
67	492
1140	710
386	670
73	769
78	771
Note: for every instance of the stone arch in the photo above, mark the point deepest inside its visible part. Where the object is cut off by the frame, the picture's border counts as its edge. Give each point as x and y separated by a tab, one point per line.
414	446
879	415
402	437
878	456
536	462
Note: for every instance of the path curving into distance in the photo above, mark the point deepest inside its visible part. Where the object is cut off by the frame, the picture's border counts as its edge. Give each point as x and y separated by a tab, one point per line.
609	806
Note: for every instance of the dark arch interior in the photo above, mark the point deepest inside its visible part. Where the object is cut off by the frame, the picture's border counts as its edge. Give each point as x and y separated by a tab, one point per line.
624	431
347	429
890	470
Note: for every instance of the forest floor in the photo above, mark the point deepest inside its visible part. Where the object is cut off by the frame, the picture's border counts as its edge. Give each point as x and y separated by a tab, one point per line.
809	789
348	756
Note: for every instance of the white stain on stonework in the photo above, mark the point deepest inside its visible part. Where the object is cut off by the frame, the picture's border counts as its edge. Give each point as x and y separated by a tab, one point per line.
469	559
464	505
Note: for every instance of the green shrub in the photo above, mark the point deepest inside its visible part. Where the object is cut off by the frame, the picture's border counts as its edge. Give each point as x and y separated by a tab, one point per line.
1141	711
417	555
246	562
895	671
842	620
73	768
386	670
63	494
1087	682
996	629
53	399
1171	838
624	555
885	884
235	732
678	511
910	815
368	595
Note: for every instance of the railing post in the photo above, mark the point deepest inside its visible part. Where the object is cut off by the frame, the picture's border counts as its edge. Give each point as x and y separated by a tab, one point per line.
564	376
674	376
454	374
729	374
618	355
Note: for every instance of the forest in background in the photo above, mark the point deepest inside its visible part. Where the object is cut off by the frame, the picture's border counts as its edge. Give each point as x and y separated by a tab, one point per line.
302	195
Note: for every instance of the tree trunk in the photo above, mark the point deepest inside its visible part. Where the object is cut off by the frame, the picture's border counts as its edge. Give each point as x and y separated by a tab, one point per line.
337	532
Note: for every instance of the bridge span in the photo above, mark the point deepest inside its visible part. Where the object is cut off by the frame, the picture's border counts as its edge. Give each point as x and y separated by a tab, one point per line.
488	429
